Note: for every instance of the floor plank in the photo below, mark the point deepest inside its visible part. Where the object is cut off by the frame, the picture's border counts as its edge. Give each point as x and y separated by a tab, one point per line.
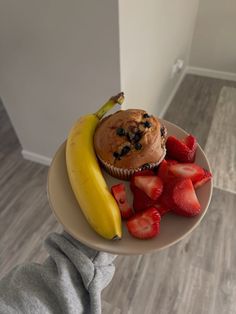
194	105
25	216
221	142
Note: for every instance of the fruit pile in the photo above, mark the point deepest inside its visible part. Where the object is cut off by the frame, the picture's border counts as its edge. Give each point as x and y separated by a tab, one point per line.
169	188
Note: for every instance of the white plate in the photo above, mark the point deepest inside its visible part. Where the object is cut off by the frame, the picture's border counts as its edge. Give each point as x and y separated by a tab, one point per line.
68	213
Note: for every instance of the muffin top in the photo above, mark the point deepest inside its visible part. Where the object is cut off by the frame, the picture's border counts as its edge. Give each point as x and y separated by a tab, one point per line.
130	139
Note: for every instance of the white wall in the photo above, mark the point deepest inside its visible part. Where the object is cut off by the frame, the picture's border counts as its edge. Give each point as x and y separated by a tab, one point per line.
153	34
58	60
61	59
214	42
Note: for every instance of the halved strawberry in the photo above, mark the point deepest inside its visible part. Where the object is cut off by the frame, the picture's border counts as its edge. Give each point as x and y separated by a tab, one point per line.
145	225
187	170
151	185
206	177
171	162
118	191
181	150
140	173
191	142
162	209
185	199
163	170
140	200
166	198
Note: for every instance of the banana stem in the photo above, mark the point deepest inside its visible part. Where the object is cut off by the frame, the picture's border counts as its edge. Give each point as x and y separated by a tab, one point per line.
117	99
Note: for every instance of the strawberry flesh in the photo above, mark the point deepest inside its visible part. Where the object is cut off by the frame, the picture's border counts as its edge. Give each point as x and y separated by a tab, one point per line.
145	225
140	200
185	199
187	170
166	198
191	142
163	170
151	185
162	209
205	178
119	193
140	173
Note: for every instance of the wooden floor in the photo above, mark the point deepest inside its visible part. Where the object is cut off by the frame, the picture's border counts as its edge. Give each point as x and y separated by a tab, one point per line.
25	216
197	275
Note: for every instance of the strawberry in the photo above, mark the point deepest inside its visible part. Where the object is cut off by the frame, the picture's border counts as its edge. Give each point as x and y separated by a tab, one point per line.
181	150
166	198
206	177
163	170
162	209
187	170
145	225
140	173
171	162
185	199
118	191
140	200
191	142
151	185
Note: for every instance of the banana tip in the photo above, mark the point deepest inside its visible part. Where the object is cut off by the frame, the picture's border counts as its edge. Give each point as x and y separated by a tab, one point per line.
116	237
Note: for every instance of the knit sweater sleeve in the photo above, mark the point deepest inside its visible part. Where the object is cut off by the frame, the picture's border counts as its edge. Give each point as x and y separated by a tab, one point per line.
69	281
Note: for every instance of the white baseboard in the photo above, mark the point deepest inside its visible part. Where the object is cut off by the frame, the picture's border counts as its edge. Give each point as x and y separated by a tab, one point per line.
36	157
172	94
211	73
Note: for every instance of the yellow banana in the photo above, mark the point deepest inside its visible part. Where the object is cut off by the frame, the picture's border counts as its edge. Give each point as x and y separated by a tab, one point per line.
87	182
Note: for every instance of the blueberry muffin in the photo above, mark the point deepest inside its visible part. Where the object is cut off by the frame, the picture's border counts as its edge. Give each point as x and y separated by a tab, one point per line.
129	141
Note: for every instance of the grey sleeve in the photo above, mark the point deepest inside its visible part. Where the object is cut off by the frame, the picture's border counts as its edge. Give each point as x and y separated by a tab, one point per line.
70	280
